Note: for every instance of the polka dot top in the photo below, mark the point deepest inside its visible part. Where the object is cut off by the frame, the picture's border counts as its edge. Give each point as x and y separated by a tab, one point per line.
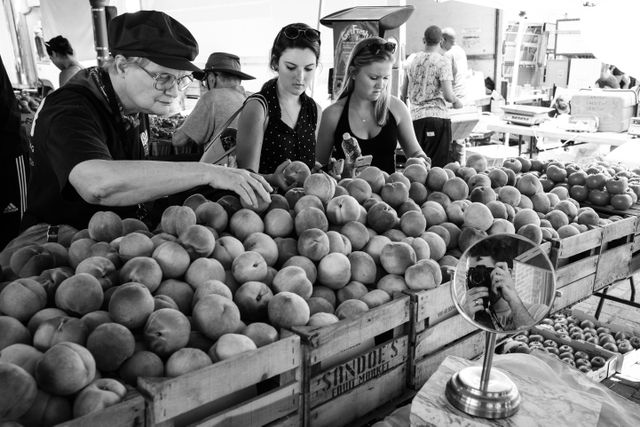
280	141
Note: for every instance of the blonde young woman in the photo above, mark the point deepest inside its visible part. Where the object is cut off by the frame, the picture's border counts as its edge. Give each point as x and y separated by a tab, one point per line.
366	109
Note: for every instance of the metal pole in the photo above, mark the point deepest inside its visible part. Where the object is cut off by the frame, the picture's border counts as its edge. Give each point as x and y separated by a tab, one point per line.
15	42
100	29
489	348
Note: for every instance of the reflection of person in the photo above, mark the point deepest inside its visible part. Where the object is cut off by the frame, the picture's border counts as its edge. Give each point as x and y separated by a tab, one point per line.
88	141
366	109
222	76
492	299
61	53
285	129
427	85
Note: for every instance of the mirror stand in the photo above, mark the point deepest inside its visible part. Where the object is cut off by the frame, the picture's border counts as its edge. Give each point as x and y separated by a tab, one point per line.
483	392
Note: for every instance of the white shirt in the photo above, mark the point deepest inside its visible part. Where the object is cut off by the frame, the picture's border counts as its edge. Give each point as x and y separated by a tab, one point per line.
460	68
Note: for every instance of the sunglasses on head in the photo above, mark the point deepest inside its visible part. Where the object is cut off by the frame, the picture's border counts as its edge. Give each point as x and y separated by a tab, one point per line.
293	33
377	47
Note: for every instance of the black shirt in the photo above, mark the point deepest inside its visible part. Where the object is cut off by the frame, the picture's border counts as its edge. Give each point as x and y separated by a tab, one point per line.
382	146
280	141
77	123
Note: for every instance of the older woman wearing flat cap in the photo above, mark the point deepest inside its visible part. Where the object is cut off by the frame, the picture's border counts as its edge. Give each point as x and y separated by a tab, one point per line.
89	147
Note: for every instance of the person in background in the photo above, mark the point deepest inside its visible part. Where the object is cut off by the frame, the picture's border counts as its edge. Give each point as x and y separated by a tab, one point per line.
61	53
427	85
458	58
89	142
222	77
366	109
279	124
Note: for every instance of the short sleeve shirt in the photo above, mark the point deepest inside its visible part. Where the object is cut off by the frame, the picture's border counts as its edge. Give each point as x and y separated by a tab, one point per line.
426	73
212	110
280	141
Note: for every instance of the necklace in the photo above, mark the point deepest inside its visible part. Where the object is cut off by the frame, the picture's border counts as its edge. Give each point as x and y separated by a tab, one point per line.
362	118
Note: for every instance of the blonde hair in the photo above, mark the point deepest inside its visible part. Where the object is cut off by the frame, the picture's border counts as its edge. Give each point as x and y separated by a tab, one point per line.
365	52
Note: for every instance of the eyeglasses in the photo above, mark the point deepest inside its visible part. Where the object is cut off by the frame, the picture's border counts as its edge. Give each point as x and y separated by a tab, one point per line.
376	48
293	33
166	81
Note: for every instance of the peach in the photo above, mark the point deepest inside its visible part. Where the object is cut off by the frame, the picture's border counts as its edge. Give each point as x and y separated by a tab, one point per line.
421	248
498	178
31	260
310	218
407	206
180	292
79	250
320	319
203	269
498	209
172	258
252	299
79	294
359	189
143	270
339	243
287	309
131	304
59	329
334	270
176	219
249	266
261	333
278	223
130	225
198	240
313	243
469	236
454	234
23	355
363	267
245	222
65	369
141	364
13	332
466	173
374	247
395	193
321	185
382	217
374	177
308	201
529	184
395	235
483	194
356	233
416	173
215	315
104	226
479	180
375	298
133	245
100	394
48	410
396	257
418	192
212	214
22	298
195	200
351	308
531	232
455	211
587	217
319	304
18	391
101	268
51	279
456	188
509	195
226	250
211	287
440	198
478	216
306	264
392	283
110	344
568	208
230	345
525	202
477	161
325	293
501	225
95	319
442	232
567	231
437	245
526	216
293	195
293	279
186	360
342	209
436	178
557	218
296	172
166	331
433	212
399	177
164	301
264	245
424	274
353	290
287	248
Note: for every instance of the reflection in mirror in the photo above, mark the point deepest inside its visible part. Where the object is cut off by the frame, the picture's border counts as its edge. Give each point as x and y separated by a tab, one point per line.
504	283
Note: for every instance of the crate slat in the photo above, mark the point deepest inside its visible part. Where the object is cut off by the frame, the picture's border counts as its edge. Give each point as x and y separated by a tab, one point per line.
128	413
613	265
433	305
171	397
261	410
438	336
575	271
574	292
619	229
358	402
574	245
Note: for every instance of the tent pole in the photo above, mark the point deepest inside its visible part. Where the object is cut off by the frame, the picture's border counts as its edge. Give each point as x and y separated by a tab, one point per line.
99	18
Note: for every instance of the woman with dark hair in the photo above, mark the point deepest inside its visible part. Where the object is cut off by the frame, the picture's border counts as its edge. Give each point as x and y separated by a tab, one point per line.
280	123
366	109
61	53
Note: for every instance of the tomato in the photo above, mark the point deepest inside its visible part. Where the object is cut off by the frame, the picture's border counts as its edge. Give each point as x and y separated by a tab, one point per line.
598	197
596	181
617	185
579	193
621	202
577	178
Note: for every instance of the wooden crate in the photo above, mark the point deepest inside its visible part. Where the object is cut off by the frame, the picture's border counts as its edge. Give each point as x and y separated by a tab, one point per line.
128	413
356	365
252	389
614	262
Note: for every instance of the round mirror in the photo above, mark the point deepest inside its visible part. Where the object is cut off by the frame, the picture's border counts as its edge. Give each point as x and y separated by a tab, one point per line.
504	283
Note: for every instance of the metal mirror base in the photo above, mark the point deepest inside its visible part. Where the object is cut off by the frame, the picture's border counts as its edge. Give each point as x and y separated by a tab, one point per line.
501	398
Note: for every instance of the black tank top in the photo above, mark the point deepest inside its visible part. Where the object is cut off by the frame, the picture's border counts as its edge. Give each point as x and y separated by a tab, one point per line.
382	146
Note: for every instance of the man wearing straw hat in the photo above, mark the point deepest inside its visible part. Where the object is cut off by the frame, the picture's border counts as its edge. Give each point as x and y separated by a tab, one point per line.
222	77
